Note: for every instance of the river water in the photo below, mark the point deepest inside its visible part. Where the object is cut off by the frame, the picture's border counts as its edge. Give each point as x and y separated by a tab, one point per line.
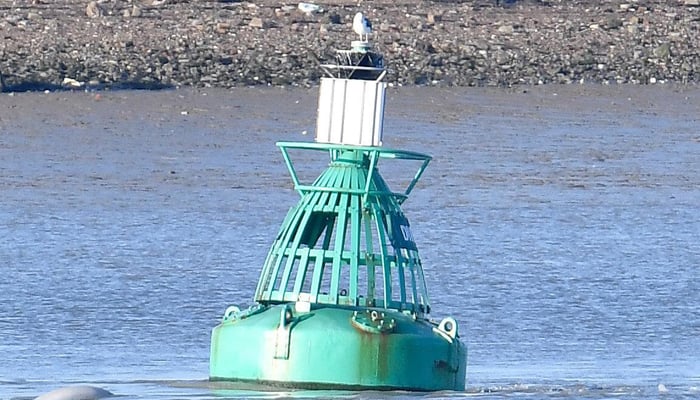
558	225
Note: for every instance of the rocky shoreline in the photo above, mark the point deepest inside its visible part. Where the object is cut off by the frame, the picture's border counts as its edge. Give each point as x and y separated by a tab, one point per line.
208	43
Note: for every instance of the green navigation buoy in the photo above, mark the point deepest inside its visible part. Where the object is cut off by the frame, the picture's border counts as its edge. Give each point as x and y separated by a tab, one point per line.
341	302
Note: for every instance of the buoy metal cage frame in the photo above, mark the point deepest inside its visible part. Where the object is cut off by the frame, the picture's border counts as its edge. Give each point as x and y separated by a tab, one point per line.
347	242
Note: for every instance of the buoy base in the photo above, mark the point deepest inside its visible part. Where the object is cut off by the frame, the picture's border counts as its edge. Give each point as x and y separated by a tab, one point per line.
336	348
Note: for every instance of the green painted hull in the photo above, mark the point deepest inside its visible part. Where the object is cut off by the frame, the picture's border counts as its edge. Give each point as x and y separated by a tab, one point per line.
324	348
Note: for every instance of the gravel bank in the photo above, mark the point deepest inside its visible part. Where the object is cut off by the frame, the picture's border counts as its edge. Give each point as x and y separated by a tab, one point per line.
164	43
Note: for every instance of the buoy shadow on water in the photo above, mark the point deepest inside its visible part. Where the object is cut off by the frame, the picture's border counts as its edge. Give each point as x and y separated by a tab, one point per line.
223	390
245	390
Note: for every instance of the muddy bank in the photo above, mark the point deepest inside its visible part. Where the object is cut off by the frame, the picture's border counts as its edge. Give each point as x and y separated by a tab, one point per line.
171	43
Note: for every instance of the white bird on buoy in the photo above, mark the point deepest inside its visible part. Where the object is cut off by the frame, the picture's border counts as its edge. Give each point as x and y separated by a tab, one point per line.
361	26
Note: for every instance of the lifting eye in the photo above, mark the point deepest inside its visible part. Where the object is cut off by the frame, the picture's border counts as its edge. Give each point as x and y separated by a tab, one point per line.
286	315
449	326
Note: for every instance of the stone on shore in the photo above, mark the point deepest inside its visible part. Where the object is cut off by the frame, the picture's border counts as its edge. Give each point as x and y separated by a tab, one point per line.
170	43
94	10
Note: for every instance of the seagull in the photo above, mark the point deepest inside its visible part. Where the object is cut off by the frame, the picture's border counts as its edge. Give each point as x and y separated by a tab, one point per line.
361	26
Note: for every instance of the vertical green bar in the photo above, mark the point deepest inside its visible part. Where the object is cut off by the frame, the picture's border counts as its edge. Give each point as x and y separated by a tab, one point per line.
301	271
386	262
356	232
339	240
400	261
